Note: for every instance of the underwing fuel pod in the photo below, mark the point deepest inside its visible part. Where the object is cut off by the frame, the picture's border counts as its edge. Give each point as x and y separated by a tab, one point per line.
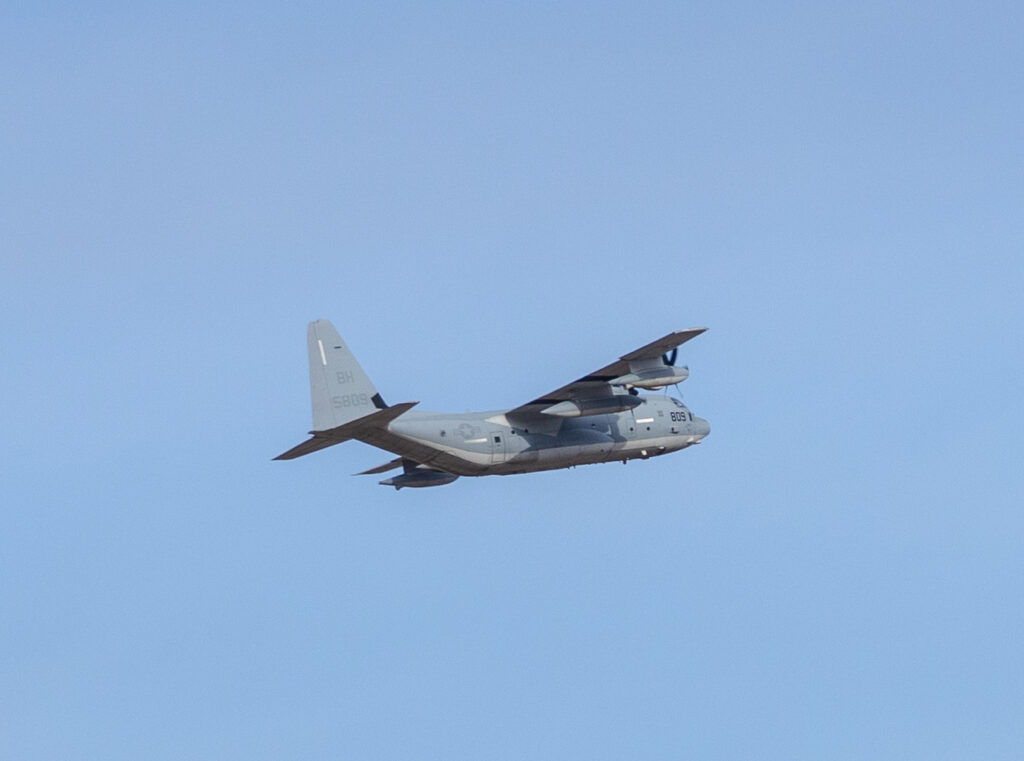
599	417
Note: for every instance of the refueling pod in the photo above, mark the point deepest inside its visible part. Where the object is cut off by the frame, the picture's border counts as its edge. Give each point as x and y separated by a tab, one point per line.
419	478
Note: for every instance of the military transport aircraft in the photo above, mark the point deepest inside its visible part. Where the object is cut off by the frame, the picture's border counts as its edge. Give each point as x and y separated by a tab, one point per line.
599	418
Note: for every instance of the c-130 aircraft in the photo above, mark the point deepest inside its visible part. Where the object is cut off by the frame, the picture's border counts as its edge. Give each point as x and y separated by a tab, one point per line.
598	418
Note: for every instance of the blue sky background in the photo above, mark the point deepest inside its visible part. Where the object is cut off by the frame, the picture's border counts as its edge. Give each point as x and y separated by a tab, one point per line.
489	200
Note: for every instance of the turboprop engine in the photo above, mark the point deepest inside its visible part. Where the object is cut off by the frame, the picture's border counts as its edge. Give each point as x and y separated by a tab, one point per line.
654	378
652	374
418	479
599	406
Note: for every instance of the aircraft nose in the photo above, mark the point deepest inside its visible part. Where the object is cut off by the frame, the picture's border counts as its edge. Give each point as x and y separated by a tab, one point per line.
701	427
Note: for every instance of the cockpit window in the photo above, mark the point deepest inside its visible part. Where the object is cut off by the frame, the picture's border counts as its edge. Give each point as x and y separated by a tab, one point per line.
677	403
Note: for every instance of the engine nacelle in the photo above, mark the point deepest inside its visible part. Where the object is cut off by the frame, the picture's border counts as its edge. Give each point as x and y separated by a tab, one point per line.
600	406
418	479
653	378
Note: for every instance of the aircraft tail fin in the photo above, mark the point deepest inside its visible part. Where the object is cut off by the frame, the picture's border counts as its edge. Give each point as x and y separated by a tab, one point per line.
340	390
345	402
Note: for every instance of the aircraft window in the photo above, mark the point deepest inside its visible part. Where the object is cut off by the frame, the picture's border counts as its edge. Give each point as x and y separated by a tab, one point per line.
443	433
497	439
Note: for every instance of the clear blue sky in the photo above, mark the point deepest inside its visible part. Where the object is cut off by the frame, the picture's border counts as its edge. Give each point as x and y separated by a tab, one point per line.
489	200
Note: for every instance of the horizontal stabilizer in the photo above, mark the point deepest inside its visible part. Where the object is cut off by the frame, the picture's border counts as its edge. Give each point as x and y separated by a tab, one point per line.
391	465
350	430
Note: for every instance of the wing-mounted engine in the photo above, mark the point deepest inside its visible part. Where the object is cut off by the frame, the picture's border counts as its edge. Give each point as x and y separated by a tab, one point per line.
652	374
595	406
613	387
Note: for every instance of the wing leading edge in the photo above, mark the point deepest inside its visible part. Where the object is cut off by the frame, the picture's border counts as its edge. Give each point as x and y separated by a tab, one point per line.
597	384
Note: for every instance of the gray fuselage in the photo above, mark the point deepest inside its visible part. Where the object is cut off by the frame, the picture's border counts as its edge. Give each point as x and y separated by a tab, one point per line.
598	417
490	443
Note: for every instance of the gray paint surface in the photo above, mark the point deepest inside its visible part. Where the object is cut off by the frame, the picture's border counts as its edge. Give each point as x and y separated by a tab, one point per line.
599	417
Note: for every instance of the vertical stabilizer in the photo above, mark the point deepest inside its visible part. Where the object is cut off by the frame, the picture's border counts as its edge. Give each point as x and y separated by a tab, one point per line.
340	390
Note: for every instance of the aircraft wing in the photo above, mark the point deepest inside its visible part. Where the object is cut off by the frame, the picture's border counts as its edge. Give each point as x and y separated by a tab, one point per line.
596	384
